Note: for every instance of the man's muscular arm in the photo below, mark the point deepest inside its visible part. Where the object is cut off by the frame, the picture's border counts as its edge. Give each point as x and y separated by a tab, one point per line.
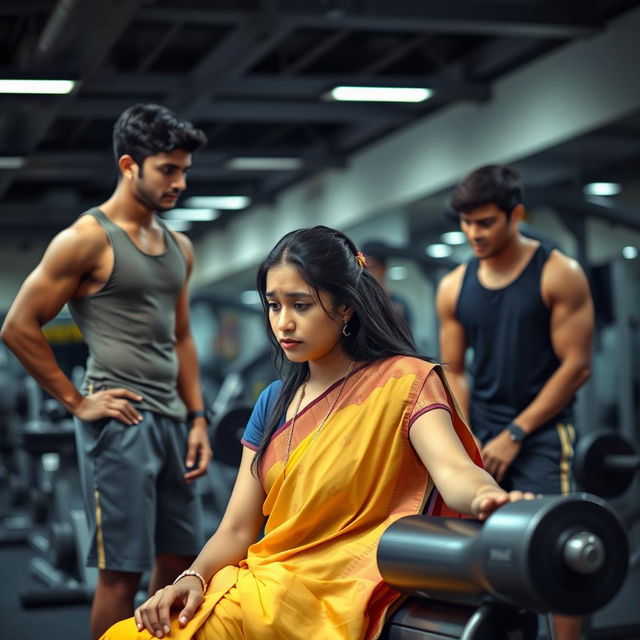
189	389
69	259
453	342
566	292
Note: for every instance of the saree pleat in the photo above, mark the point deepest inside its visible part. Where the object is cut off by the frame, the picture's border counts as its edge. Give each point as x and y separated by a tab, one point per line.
313	576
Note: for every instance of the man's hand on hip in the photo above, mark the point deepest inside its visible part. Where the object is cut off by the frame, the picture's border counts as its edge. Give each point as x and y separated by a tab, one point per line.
109	403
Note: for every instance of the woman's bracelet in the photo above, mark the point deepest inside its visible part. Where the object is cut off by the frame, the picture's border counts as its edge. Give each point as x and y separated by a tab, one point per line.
191	572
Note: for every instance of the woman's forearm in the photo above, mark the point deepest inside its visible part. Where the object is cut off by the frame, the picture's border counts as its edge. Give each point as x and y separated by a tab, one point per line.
225	547
462	488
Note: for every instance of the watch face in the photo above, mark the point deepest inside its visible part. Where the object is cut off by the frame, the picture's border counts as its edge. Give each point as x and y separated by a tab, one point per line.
517	434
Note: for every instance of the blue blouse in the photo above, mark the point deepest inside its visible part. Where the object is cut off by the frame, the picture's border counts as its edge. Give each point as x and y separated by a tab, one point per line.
252	437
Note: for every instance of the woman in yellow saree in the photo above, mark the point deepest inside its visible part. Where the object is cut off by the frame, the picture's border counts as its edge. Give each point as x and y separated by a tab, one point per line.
360	432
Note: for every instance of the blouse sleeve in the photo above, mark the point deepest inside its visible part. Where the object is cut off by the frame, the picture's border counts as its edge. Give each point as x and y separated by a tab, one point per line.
252	437
432	395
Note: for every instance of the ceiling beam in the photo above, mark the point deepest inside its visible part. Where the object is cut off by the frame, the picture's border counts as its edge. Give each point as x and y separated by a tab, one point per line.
235	55
601	208
24	7
99	158
254	110
199	173
97	167
310	56
395	54
152	55
461	17
500	55
311	86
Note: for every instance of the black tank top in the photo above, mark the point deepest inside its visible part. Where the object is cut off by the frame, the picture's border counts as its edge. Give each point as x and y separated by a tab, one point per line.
509	331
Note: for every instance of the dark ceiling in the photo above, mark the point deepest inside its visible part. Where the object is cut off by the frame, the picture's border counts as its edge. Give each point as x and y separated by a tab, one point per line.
252	74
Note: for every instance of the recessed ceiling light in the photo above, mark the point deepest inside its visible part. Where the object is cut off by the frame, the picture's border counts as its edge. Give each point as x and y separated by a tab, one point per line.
439	250
8	85
219	202
630	252
380	94
397	273
453	237
192	215
12	162
264	164
601	189
178	225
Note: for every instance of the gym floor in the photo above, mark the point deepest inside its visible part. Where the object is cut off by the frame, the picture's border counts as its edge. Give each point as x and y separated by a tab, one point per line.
16	623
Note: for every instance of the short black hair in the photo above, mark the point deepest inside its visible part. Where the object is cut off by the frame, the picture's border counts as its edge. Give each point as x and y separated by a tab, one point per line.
145	130
376	250
492	184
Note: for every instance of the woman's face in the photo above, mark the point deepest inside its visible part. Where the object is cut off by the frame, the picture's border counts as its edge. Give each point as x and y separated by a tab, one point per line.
308	328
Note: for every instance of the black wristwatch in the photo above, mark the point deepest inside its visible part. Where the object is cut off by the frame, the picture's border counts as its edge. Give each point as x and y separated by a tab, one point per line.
516	432
200	413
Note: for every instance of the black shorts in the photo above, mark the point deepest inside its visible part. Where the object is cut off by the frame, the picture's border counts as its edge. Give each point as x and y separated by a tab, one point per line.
137	502
544	464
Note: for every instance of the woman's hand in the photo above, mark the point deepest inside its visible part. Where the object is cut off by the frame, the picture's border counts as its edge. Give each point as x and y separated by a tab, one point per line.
155	614
489	498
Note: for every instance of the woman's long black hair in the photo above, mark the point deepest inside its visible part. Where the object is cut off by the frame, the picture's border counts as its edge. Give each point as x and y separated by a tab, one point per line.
326	261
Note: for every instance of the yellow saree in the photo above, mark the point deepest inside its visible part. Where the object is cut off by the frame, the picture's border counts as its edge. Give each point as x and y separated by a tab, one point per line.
313	576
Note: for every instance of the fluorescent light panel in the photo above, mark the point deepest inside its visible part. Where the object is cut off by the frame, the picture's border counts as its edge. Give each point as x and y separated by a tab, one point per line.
219	202
8	85
397	273
601	189
178	225
264	164
453	237
380	94
439	250
192	215
12	162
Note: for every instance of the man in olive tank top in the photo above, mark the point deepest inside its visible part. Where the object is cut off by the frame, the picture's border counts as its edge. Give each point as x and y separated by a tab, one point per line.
141	431
526	311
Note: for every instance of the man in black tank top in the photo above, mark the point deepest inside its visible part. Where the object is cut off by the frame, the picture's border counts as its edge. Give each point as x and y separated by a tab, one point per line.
526	311
124	276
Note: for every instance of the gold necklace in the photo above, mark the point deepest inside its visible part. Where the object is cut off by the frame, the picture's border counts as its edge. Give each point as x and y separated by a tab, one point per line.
319	427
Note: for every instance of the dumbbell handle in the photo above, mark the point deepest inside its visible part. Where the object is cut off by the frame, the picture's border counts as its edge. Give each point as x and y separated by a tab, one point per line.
622	462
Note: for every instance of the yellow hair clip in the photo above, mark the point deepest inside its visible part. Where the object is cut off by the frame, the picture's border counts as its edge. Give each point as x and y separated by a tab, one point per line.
362	261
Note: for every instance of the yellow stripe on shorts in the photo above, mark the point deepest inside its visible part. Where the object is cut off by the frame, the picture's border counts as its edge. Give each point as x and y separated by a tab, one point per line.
102	563
566	433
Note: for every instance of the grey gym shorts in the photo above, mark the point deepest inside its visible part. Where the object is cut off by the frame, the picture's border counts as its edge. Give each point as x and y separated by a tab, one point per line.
137	502
544	464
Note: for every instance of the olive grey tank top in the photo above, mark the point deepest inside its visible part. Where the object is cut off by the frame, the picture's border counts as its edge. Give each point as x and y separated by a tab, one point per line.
129	325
